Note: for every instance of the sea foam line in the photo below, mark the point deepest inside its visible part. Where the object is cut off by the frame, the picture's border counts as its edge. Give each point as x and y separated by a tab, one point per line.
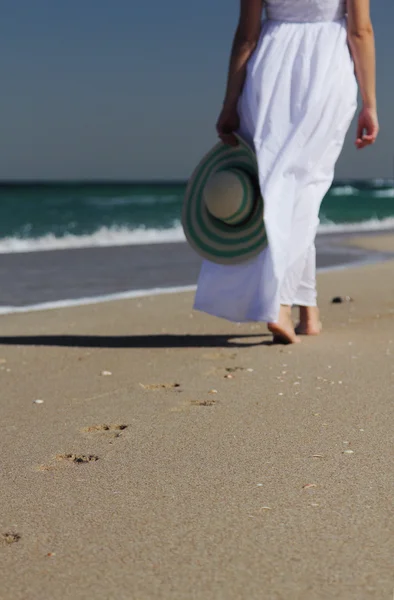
103	237
7	310
363	226
122	236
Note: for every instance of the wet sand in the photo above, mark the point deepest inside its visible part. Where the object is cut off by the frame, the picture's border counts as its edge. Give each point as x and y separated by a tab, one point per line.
178	456
51	276
377	243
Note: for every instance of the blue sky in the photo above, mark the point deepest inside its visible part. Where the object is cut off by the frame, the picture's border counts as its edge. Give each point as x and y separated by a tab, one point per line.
132	90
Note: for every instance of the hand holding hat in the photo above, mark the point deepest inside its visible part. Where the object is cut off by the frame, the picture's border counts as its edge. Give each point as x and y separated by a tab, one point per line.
222	213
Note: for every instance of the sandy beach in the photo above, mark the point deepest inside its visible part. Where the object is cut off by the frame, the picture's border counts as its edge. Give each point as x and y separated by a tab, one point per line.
178	456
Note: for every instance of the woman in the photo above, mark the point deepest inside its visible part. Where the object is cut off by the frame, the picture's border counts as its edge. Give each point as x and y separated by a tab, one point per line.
292	94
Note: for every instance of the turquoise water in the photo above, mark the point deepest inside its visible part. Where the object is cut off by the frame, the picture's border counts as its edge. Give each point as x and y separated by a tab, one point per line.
40	216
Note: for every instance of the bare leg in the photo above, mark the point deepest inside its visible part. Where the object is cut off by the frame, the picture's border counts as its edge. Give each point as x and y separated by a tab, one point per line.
306	297
283	329
310	323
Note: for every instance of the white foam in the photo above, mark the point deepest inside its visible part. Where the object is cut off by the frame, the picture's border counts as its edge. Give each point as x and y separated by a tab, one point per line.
379	182
105	236
7	310
345	190
122	236
387	193
370	225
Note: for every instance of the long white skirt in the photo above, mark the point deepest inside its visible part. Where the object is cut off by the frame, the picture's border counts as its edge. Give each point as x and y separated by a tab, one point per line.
297	104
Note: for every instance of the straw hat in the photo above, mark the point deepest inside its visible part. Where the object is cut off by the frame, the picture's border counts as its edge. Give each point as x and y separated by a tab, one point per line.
222	213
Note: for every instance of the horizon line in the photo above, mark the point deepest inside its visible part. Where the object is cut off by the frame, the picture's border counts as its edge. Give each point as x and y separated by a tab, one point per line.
135	182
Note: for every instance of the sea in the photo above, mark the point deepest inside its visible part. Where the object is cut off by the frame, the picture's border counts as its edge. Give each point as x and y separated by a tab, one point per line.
47	216
66	244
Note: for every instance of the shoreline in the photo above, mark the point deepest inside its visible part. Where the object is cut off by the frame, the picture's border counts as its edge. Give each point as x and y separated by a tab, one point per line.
135	294
73	277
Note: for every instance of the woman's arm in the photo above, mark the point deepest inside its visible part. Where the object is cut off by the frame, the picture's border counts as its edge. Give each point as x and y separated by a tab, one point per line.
362	46
245	41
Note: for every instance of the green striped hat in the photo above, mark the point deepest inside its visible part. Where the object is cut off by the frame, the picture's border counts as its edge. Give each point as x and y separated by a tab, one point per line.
222	214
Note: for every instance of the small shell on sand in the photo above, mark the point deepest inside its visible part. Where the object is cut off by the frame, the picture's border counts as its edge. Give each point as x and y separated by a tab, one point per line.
38	401
348	452
308	486
106	373
213	392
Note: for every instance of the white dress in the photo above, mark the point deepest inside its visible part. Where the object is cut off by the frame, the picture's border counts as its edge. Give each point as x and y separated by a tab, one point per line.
297	104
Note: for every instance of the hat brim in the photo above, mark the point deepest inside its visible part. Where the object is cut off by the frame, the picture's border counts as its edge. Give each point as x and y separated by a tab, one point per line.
211	238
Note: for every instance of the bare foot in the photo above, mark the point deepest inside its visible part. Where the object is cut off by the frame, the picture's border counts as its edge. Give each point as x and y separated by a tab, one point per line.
283	329
310	323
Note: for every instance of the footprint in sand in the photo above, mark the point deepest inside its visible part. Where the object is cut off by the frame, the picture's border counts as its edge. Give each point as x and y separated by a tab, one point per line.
205	402
113	430
154	387
78	458
45	468
186	406
9	537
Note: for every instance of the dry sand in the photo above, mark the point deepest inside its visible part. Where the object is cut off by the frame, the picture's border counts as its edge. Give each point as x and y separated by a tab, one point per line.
133	479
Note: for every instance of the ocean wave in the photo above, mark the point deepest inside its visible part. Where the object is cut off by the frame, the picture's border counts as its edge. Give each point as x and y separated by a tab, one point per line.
370	225
138	200
343	190
123	236
105	236
387	193
380	182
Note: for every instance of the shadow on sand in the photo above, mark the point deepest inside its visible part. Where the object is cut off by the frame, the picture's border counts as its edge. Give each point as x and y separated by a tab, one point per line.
139	341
